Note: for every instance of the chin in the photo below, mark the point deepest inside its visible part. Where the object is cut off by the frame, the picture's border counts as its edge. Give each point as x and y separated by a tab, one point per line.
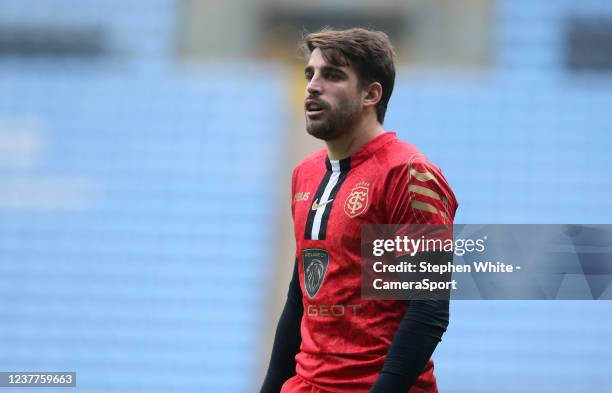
329	128
322	132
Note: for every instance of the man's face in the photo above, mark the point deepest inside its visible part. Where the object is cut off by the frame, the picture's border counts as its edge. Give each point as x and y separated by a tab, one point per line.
333	98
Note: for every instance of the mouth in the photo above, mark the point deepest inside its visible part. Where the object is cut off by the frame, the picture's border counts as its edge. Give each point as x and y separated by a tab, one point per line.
314	108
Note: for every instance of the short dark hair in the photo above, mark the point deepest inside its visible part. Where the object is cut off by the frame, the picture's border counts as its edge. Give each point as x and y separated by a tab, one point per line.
369	52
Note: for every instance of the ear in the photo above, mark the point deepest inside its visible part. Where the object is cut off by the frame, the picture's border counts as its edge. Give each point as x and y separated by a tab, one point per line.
373	94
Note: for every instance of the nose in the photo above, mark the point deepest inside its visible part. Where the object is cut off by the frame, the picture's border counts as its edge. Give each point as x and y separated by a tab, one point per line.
314	87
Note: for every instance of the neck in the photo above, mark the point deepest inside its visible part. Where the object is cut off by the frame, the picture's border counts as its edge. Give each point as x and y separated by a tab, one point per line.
347	144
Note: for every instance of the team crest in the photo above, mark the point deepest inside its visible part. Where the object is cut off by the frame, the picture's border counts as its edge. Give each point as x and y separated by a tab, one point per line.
315	261
357	201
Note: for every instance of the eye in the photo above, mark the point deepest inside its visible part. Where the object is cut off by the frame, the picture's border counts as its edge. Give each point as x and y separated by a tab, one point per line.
332	76
308	75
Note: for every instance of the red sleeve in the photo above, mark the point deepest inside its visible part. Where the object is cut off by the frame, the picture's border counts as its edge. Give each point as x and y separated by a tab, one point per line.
293	188
418	193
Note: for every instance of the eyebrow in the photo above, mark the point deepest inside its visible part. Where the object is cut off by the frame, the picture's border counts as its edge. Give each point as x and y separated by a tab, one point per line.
325	68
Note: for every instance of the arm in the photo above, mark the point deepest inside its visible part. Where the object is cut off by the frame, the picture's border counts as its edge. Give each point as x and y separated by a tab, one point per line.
287	339
413	344
420	195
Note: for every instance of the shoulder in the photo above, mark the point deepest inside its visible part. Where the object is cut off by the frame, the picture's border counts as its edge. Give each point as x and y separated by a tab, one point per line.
399	158
414	179
313	160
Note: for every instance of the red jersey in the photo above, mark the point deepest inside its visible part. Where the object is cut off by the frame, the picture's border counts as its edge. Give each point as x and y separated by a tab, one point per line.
345	338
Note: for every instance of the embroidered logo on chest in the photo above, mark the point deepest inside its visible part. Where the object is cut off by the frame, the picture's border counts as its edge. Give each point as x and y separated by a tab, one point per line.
357	201
301	196
315	262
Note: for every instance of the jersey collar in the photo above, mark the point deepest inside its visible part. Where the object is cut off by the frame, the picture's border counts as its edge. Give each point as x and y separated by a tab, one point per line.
365	152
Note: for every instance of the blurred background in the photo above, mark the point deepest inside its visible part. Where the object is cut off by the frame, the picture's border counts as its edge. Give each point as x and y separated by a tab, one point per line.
146	149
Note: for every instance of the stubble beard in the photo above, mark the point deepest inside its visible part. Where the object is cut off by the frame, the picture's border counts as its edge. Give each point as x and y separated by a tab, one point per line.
338	122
